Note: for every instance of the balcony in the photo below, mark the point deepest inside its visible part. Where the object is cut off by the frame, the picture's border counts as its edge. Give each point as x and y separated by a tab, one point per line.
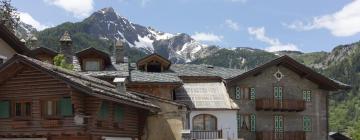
296	135
280	105
216	134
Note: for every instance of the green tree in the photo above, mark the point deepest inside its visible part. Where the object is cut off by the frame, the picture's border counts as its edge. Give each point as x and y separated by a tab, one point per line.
59	60
8	15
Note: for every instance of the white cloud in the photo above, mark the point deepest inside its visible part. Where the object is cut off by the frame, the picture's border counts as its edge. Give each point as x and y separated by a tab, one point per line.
79	8
344	22
209	37
28	19
274	43
232	24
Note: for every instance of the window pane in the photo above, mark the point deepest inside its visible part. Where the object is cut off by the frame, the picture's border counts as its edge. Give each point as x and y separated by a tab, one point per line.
18	109
4	109
198	122
210	122
49	108
28	109
92	65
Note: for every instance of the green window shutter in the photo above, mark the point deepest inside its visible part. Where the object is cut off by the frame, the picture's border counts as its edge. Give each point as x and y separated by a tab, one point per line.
307	123
237	93
104	110
4	109
119	113
280	90
308	96
66	108
276	92
281	129
252	94
252	123
304	95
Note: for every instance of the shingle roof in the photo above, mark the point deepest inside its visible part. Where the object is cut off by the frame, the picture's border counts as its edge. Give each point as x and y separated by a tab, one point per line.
154	77
204	70
87	84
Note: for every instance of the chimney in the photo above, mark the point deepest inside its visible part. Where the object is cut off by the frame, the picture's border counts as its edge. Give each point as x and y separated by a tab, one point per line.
120	85
66	47
33	42
119	52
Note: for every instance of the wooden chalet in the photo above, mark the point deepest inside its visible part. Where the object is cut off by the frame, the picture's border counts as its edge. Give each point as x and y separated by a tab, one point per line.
44	54
42	101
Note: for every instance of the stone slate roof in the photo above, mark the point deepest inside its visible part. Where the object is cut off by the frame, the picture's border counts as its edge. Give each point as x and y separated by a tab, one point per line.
204	70
87	84
138	76
182	70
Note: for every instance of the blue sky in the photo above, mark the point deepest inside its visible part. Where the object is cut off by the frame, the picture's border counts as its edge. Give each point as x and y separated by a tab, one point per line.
305	25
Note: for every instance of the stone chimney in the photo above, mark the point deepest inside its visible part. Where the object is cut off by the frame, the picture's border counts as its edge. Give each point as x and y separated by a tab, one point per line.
119	52
120	85
33	42
66	47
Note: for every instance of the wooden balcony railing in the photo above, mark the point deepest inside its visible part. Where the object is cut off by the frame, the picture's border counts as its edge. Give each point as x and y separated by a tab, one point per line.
280	105
198	134
296	135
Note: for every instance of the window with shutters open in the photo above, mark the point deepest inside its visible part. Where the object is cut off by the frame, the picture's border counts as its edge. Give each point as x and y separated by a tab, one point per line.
4	109
245	93
57	107
246	122
307	123
22	110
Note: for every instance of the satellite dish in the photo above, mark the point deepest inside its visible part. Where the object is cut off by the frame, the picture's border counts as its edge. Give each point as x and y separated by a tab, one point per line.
79	119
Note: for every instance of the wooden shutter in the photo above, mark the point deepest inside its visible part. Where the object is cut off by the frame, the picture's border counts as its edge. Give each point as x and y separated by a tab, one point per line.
304	95
66	108
276	92
308	96
4	109
307	123
103	112
278	123
237	93
252	123
252	94
119	113
280	92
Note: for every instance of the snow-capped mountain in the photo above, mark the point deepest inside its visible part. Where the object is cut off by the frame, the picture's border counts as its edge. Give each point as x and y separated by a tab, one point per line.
106	24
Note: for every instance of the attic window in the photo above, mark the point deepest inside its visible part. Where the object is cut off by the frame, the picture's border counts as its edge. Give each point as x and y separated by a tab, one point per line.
153	66
92	65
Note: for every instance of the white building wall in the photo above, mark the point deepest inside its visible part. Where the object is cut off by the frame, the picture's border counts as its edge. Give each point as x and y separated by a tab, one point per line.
226	120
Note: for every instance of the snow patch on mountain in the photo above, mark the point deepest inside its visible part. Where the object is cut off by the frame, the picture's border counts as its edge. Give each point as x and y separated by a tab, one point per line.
145	43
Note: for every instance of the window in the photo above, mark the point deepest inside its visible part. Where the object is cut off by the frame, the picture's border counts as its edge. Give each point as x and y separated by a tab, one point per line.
204	122
244	93
154	66
278	93
307	95
119	113
22	109
104	111
307	123
278	122
58	107
246	122
92	65
1	61
4	109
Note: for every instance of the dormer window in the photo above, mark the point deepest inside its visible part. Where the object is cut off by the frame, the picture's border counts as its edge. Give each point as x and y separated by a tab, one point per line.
92	59
154	66
153	63
92	65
